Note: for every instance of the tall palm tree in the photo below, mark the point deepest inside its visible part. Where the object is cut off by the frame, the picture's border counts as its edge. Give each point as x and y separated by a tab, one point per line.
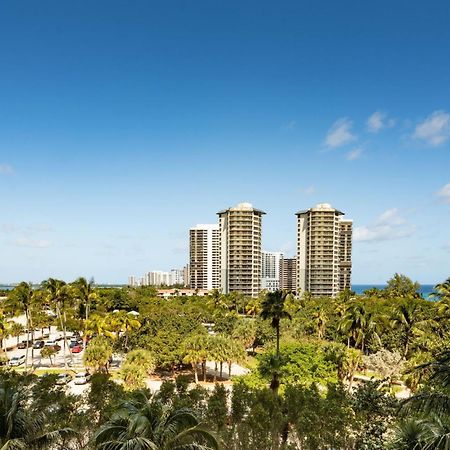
148	425
58	295
272	308
195	351
20	301
21	429
5	331
442	290
408	318
320	319
360	325
86	293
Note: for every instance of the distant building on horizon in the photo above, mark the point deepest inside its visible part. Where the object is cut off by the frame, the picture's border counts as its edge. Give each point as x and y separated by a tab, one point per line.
204	257
158	278
288	274
240	249
324	245
270	270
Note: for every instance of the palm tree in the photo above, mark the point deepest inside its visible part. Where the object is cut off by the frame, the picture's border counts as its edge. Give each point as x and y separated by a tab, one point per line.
146	424
138	365
58	295
195	351
16	330
407	316
20	301
86	292
442	291
320	320
98	325
5	331
98	354
360	325
21	428
125	322
272	308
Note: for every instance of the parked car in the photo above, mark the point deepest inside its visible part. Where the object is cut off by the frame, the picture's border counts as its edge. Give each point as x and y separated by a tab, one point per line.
17	360
38	344
77	349
63	378
74	343
50	343
23	344
82	378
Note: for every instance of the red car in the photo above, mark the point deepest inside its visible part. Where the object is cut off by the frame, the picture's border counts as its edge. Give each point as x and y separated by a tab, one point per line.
76	349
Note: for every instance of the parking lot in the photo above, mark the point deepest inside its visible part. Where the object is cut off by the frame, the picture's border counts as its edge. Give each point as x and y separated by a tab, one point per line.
74	360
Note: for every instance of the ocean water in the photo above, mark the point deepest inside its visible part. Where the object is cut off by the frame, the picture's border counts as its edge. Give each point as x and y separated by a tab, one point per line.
425	289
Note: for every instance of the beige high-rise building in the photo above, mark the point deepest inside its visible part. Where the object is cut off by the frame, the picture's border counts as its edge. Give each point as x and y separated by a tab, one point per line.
204	257
288	274
345	253
240	249
323	251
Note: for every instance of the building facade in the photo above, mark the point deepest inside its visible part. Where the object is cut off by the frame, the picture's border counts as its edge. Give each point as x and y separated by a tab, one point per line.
345	254
288	274
270	270
240	249
204	257
323	251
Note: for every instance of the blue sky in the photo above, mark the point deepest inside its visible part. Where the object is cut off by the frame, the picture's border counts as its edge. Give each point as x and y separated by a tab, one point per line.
123	123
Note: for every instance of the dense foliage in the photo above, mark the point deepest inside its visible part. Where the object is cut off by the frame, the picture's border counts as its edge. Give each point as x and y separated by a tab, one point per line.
323	371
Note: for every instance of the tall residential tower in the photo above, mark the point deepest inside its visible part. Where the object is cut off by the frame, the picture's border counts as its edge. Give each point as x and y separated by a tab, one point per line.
204	257
240	249
270	270
323	251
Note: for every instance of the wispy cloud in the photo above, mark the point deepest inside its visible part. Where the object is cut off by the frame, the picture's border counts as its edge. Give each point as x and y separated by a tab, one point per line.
444	193
6	169
35	228
356	153
340	133
389	225
290	125
379	120
31	243
309	190
435	129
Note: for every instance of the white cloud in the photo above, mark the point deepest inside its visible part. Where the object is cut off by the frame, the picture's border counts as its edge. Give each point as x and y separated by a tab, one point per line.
390	217
31	243
444	193
389	225
8	228
376	122
309	190
340	133
354	154
379	120
36	228
291	125
6	169
435	129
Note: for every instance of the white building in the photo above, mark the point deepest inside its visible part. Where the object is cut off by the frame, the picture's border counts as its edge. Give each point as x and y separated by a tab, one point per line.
270	270
204	257
176	277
